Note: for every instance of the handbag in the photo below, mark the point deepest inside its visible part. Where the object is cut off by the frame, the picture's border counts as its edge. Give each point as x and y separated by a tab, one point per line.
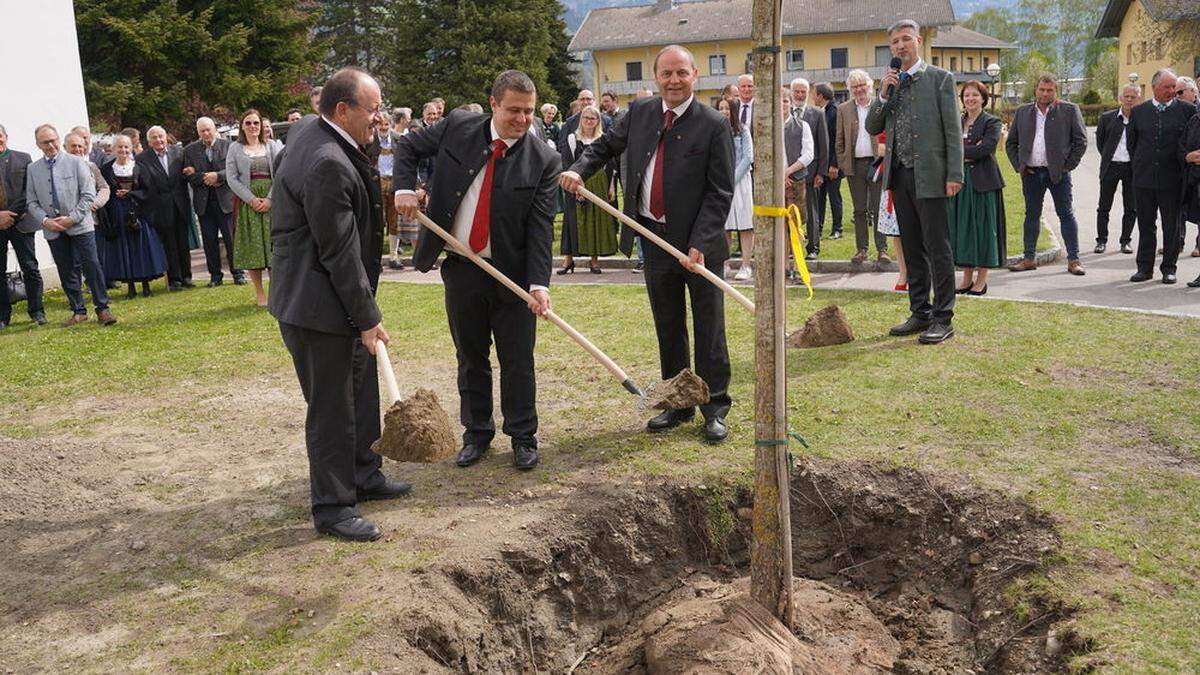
16	287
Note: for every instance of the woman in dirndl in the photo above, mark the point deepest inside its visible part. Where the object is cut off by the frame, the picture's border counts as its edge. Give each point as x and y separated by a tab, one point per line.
130	250
248	170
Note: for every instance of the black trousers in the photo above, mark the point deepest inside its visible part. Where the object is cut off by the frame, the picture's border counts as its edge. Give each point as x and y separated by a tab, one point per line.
337	376
669	285
1151	203
24	245
1118	172
479	309
812	216
174	236
213	224
831	190
925	235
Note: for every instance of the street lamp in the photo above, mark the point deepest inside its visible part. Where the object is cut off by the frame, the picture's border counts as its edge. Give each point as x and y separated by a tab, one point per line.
1134	77
993	71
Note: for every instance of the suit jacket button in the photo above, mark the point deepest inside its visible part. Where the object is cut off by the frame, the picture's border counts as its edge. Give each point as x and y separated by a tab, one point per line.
471	171
458	194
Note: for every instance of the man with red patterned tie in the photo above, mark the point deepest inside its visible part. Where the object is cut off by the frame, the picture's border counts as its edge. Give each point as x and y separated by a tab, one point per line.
494	189
679	155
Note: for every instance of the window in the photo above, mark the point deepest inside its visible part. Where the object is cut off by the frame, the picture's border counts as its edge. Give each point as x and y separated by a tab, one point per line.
953	64
633	71
1142	55
795	59
716	64
937	61
970	64
749	62
986	62
883	56
839	58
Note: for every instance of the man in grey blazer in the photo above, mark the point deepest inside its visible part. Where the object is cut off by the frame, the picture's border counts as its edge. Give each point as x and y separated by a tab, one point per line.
59	193
1046	141
817	124
212	200
923	167
17	228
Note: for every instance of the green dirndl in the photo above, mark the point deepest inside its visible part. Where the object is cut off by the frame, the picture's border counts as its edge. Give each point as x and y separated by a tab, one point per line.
252	231
977	229
596	229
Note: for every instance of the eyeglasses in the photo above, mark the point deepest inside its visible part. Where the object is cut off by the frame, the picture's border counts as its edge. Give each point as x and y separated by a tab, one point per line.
377	111
251	123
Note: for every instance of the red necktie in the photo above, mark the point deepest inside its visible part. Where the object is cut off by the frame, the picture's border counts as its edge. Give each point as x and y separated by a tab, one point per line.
481	224
658	207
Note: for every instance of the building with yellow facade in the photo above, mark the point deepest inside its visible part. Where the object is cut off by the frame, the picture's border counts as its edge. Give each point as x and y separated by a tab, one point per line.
823	40
1151	36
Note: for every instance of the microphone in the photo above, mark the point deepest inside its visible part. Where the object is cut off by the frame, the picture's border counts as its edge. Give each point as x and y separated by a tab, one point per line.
894	65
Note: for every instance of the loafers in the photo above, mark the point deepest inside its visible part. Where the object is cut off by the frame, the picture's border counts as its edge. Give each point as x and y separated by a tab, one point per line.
470	454
669	419
938	332
525	457
391	489
715	430
911	326
354	528
75	319
1140	276
1075	267
1026	265
106	318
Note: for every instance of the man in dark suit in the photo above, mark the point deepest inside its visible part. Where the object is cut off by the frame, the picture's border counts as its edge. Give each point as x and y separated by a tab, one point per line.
327	233
681	147
831	189
494	189
1155	128
1046	141
204	168
166	204
819	168
1116	166
585	98
18	229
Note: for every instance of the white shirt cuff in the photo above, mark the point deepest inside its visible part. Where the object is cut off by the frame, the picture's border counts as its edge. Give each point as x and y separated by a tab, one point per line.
537	287
406	192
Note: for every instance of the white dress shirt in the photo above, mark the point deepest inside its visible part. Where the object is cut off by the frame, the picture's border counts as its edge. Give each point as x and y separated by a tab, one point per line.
465	216
648	178
341	132
1121	154
864	145
1037	155
916	68
809	150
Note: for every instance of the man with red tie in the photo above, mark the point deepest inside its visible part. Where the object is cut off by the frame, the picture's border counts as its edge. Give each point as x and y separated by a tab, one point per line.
494	189
679	155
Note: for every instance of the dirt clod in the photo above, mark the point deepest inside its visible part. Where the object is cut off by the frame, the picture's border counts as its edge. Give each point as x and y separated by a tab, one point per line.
416	429
828	326
682	391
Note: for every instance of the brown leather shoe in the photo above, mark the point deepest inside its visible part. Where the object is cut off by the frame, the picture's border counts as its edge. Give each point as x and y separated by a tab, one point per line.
75	318
1075	267
106	318
884	257
1026	265
859	258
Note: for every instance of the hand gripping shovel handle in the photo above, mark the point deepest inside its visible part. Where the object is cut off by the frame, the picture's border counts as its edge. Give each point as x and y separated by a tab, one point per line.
664	245
550	316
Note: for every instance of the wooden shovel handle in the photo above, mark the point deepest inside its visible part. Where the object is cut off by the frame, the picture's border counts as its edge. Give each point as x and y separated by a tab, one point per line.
385	371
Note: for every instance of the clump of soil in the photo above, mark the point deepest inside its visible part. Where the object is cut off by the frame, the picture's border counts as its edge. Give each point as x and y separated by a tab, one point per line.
416	429
685	390
828	326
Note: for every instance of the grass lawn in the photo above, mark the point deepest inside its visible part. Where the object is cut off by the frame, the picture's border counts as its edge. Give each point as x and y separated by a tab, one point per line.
1088	414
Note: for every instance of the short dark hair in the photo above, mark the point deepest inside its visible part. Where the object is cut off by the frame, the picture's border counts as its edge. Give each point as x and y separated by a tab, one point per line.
825	90
341	87
133	134
980	87
512	80
242	138
609	93
293	110
1048	78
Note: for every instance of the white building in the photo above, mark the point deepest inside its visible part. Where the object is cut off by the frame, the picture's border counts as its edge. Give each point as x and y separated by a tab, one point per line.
40	79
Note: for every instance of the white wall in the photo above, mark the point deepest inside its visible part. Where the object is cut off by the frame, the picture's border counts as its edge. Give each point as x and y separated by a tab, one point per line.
40	77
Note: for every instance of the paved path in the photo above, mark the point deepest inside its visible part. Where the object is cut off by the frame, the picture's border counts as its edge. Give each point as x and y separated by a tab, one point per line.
1106	284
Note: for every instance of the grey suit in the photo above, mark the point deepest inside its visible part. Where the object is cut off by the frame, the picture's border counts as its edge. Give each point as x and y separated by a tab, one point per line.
13	167
819	167
213	204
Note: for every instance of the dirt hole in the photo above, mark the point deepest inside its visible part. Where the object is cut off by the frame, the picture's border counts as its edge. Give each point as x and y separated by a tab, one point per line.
896	571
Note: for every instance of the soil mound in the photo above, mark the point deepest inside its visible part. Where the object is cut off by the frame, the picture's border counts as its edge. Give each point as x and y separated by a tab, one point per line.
828	326
416	429
685	390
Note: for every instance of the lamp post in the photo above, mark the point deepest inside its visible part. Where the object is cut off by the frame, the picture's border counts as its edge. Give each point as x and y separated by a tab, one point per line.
993	71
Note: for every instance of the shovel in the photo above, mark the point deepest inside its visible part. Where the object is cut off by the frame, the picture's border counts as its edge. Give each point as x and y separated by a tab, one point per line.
550	316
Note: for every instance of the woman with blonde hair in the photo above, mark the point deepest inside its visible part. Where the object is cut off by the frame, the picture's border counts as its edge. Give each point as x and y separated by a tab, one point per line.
587	229
248	170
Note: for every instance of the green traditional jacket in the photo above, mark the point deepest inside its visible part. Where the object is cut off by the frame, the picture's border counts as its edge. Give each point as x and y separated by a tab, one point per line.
937	130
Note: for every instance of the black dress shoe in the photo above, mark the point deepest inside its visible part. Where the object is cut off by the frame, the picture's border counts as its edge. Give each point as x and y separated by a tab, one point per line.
715	430
1194	283
3	325
669	419
214	283
391	489
525	457
174	287
1126	249
938	332
187	283
1100	247
1141	276
470	454
911	326
39	319
1169	279
239	280
354	528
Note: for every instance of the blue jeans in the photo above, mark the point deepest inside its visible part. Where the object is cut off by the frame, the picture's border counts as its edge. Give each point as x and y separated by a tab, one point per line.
70	255
1034	184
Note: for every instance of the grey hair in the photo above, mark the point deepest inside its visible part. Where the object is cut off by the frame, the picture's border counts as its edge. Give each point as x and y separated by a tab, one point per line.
1186	82
905	23
859	76
205	120
801	81
154	129
72	134
401	114
546	107
1158	76
3	130
745	76
49	126
1133	87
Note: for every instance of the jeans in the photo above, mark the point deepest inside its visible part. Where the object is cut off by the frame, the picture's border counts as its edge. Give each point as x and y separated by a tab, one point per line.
24	246
1034	184
72	254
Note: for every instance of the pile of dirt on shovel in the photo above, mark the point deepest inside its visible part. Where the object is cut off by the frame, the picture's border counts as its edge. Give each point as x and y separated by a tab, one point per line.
827	326
416	429
685	390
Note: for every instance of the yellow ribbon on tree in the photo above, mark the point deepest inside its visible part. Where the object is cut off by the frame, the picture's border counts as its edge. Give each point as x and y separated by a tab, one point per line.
795	235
